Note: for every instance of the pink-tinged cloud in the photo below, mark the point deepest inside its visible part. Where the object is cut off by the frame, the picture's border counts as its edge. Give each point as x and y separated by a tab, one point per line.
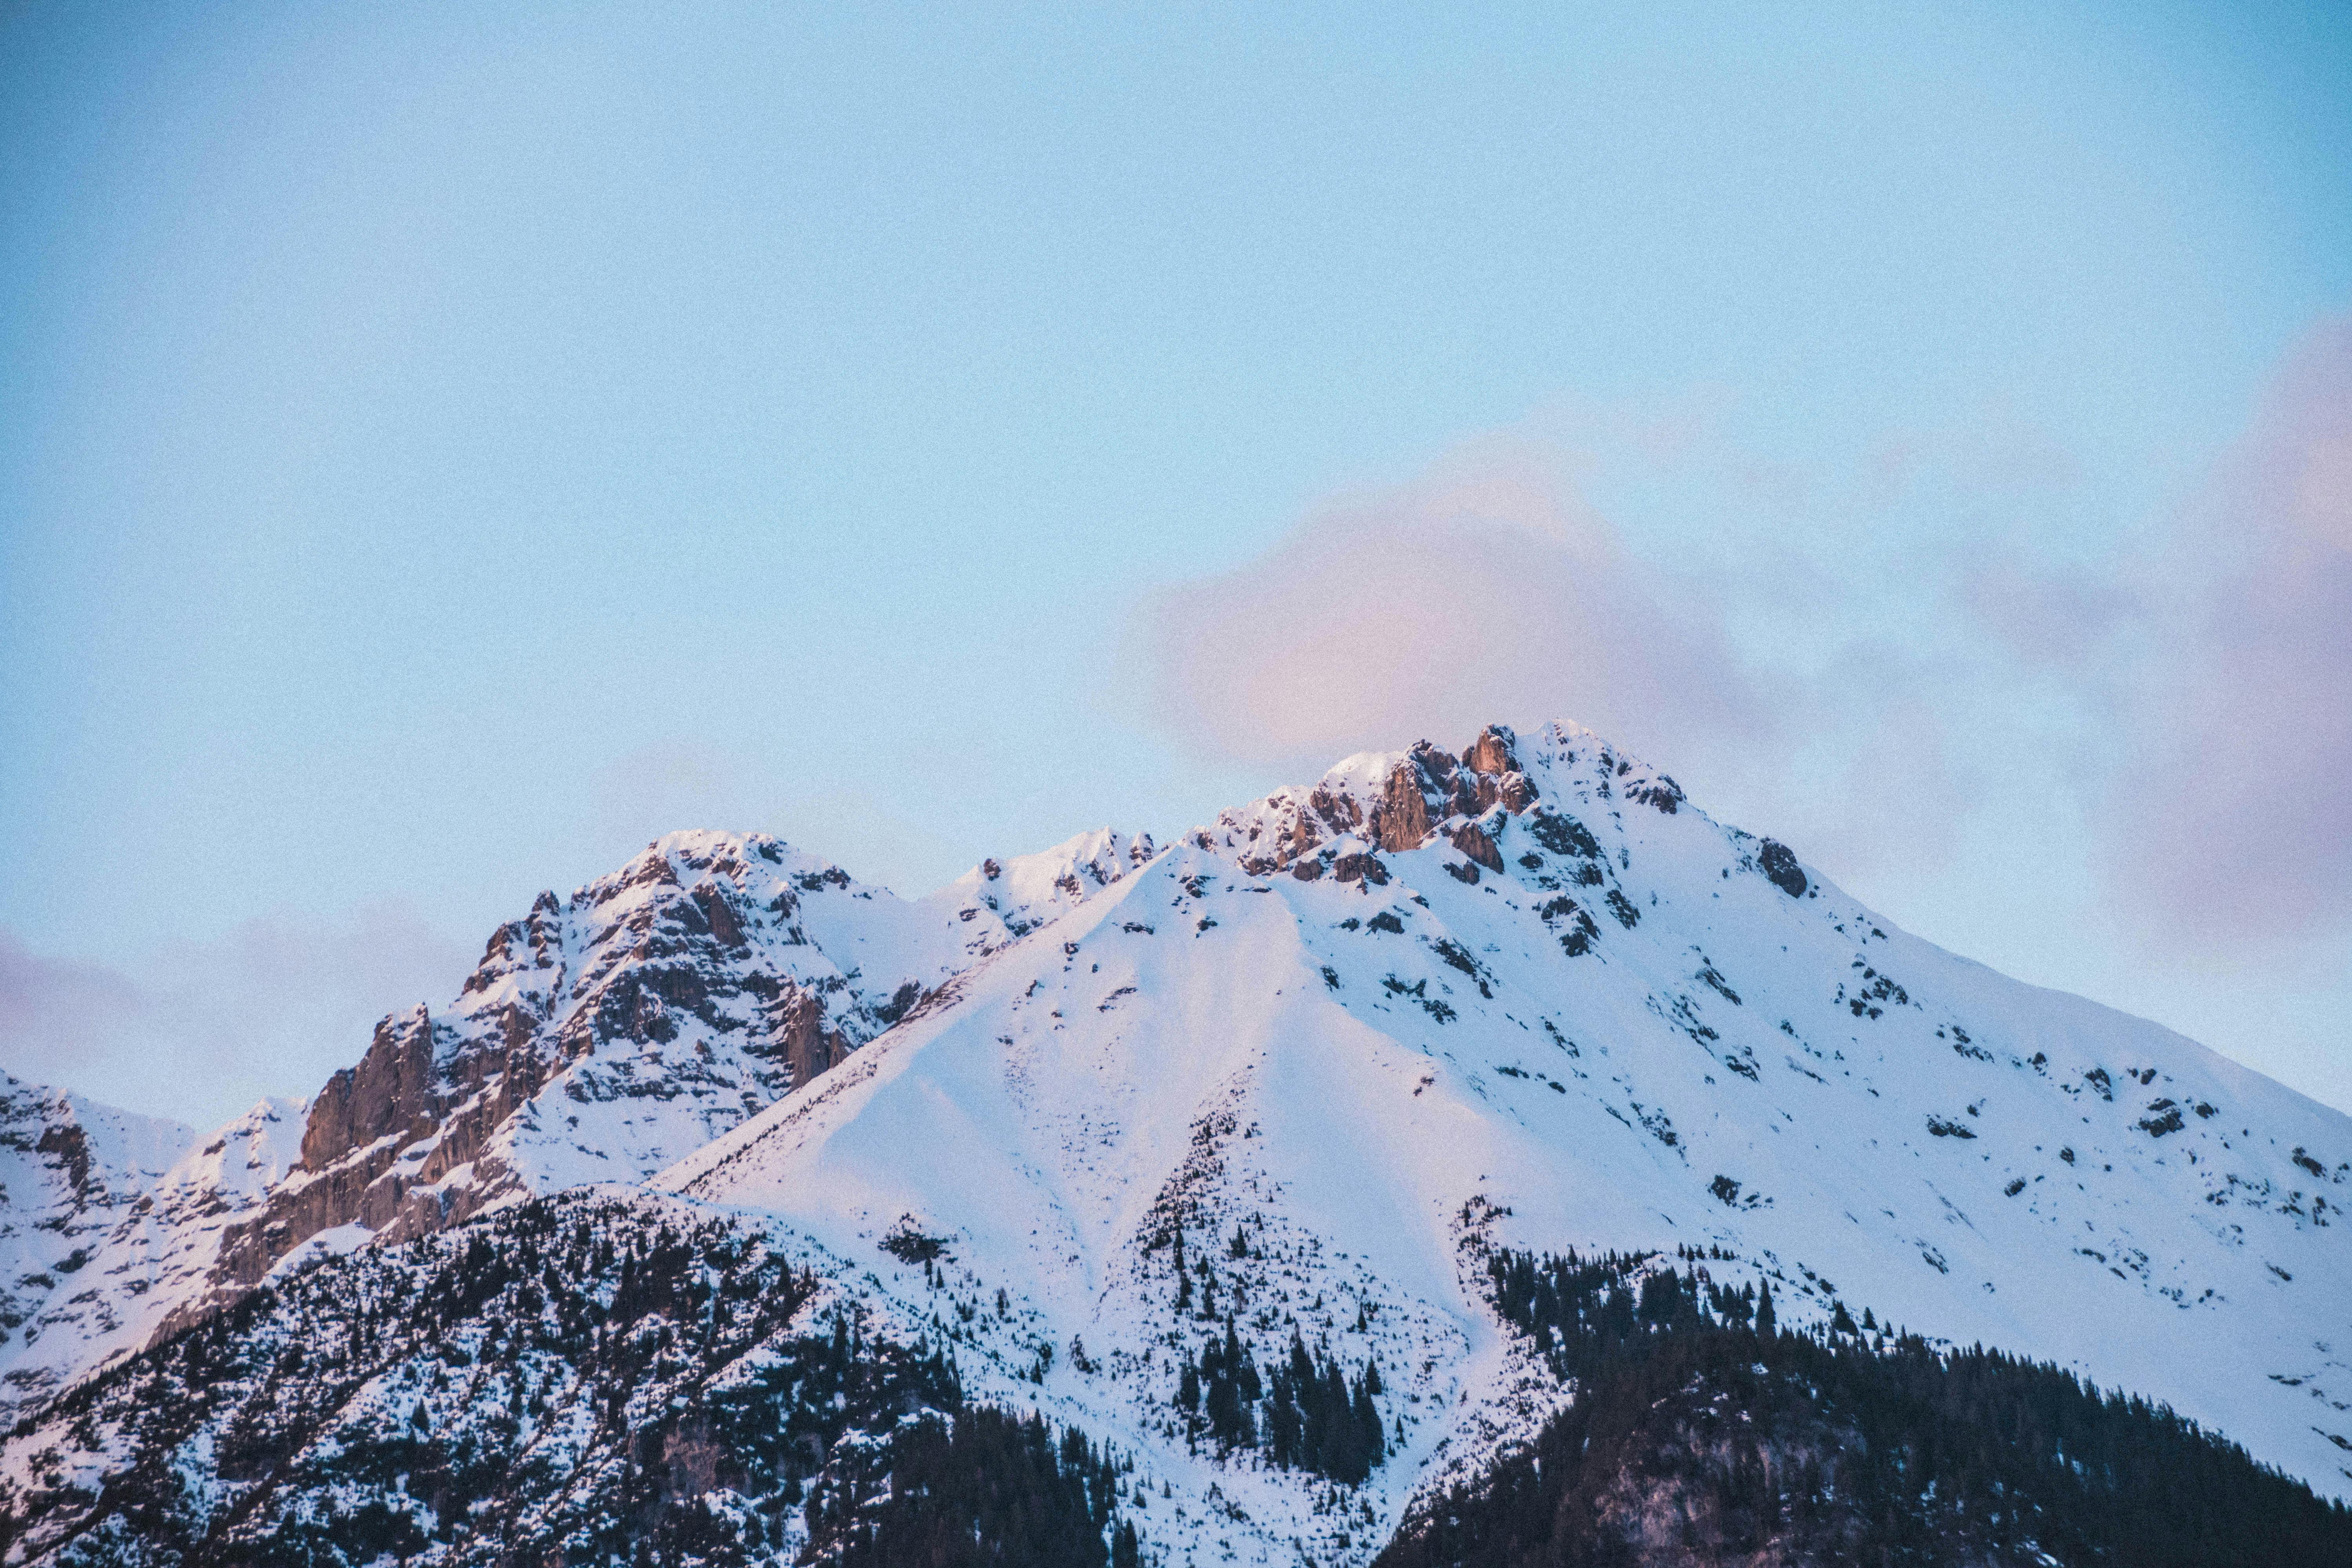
1486	589
200	1031
2232	819
54	1012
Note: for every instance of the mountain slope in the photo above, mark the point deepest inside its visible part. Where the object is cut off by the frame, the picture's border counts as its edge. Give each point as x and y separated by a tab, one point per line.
1536	998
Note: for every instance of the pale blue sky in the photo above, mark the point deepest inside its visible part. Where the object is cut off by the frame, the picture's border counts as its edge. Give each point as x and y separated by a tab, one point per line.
445	445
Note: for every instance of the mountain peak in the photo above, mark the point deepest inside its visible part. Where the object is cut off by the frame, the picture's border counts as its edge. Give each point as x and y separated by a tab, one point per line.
1347	1049
1104	1116
600	1037
1373	801
1014	895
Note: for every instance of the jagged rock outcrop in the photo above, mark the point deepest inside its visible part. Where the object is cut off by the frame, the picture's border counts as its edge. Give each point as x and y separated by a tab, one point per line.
1781	869
600	1037
1401	818
1373	802
1393	803
1248	1090
1475	844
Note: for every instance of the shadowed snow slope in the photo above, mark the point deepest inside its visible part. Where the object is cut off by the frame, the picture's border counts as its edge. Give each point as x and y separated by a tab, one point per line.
1347	1036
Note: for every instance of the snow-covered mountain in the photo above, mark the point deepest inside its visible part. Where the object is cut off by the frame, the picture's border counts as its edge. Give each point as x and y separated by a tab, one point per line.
1084	1115
71	1171
600	1038
1533	996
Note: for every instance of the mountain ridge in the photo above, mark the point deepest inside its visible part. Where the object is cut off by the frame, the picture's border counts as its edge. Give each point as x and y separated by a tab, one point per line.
1299	1074
654	1007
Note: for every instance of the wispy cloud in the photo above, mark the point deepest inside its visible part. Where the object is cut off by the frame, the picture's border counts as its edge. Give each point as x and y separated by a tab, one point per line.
199	1032
1494	587
1488	587
1862	659
2231	811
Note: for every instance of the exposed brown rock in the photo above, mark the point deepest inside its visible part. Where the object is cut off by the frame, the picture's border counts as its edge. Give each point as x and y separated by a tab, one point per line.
801	1037
390	1092
1301	838
725	924
1340	811
71	1144
1493	751
1660	792
1400	820
431	1095
1473	841
1492	760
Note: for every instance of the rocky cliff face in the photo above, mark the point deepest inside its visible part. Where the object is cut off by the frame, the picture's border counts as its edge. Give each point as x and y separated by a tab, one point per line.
1277	1081
601	1037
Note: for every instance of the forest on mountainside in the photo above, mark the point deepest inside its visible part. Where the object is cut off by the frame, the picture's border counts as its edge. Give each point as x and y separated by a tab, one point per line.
578	1376
1704	1433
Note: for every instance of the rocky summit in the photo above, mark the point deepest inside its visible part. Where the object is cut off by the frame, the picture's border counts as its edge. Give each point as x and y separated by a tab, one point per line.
1478	1156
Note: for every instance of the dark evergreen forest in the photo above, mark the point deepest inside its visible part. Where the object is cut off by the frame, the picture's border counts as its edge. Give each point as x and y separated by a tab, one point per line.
987	1488
1304	1413
568	1381
1702	1434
